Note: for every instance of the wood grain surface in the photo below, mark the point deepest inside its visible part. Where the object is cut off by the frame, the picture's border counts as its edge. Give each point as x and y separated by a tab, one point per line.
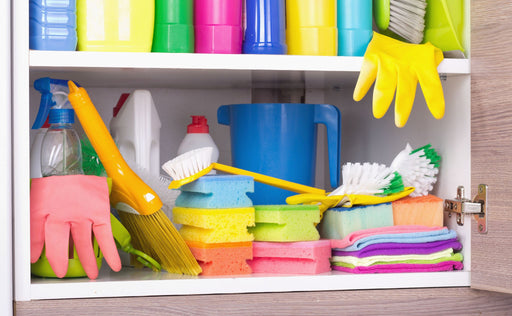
491	140
449	301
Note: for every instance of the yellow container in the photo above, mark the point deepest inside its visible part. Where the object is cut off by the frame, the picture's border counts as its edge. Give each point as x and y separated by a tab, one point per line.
311	27
115	25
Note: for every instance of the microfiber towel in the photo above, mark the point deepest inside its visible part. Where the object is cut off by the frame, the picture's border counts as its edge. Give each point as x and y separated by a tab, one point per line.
445	264
404	267
401	248
412	238
355	236
368	261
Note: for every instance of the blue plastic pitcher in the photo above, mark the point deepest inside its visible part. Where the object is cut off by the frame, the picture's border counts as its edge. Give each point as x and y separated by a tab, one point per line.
52	25
265	32
354	26
279	140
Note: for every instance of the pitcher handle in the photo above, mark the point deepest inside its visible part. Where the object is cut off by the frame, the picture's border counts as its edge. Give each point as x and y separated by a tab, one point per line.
330	116
223	116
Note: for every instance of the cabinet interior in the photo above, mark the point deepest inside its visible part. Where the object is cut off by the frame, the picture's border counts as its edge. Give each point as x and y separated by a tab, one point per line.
179	93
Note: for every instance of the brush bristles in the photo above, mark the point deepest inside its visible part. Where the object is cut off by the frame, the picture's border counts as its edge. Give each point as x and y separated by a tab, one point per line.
156	236
419	168
189	163
368	179
407	19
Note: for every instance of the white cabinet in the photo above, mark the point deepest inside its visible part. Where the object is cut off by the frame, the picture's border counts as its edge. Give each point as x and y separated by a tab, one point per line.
185	84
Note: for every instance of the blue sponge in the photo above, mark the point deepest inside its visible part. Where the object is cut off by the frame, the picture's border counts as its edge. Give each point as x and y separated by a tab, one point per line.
217	191
337	223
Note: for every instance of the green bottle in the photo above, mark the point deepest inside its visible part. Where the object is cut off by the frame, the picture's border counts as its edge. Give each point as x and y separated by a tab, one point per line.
174	26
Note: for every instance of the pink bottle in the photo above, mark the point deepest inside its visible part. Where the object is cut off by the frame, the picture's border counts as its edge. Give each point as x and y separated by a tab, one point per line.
218	26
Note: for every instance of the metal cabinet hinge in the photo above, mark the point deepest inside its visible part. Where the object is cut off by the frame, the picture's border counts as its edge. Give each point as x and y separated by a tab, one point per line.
462	206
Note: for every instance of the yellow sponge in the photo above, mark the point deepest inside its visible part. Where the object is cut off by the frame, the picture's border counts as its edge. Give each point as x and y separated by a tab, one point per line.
421	210
286	223
215	225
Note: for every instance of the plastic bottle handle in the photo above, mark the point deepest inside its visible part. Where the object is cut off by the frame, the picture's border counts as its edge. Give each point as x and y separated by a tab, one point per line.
330	116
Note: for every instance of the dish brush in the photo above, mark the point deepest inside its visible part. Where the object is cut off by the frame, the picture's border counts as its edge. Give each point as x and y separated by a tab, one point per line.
419	168
369	179
196	163
405	18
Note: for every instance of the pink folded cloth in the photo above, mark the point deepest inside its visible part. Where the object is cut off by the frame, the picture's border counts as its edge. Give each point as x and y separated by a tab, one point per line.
355	236
403	267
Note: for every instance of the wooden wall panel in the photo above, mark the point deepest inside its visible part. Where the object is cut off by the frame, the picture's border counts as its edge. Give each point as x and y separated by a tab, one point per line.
491	134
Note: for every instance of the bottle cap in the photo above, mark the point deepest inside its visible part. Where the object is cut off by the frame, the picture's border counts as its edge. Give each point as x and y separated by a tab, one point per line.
62	116
199	125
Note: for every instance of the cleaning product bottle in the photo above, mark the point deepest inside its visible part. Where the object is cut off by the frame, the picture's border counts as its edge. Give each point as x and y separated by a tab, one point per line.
52	25
198	135
174	26
61	151
135	128
115	25
47	87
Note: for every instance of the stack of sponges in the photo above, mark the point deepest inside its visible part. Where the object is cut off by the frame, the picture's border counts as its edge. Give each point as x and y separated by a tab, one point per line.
398	249
287	241
215	214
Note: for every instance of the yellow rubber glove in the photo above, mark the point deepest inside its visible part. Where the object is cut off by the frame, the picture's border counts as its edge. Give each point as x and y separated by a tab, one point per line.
393	64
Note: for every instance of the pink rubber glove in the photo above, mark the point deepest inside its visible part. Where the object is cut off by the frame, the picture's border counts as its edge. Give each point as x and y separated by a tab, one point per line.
76	202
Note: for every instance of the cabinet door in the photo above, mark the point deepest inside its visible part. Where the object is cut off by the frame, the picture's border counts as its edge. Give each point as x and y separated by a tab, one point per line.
491	134
5	161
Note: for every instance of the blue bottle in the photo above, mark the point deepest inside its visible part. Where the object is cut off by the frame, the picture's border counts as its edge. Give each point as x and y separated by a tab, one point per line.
354	18
265	32
53	25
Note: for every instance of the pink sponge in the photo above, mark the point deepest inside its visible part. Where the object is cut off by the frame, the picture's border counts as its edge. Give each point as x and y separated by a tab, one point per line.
303	257
222	258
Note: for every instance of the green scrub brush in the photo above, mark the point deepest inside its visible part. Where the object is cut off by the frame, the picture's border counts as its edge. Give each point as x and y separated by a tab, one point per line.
405	18
419	168
369	179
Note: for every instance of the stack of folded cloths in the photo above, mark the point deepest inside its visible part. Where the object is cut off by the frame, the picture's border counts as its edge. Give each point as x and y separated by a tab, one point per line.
287	241
398	249
215	213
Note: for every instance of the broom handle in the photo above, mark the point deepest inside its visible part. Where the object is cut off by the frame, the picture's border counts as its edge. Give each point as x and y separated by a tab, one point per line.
127	187
278	183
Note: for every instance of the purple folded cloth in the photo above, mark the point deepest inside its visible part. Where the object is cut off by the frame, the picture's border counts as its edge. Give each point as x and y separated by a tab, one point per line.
386	249
403	267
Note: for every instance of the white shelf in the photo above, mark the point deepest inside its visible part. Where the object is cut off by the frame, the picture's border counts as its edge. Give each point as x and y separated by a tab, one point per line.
206	70
133	282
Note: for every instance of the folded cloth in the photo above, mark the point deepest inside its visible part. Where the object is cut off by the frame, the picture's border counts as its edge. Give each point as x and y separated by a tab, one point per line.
355	236
453	262
401	248
413	238
368	261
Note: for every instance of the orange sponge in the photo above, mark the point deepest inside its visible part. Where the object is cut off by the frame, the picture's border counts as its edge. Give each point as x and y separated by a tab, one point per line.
222	258
421	210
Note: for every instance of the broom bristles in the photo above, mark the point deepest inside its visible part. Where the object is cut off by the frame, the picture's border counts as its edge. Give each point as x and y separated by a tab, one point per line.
156	236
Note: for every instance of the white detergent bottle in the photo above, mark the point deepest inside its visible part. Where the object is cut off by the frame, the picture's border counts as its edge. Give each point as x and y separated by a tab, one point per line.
135	129
198	135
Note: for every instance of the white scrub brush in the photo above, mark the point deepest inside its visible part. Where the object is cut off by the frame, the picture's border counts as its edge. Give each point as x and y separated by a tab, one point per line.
405	18
369	179
418	168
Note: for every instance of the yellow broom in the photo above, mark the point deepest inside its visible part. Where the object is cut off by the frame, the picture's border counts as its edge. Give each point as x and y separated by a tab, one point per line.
139	206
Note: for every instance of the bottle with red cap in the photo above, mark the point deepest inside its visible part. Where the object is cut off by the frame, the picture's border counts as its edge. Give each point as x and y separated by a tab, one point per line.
198	135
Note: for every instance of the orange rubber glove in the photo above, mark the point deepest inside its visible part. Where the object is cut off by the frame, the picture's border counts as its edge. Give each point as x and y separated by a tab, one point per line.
76	203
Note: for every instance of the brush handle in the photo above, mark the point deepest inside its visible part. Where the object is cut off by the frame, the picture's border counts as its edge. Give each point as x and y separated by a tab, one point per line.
127	187
278	183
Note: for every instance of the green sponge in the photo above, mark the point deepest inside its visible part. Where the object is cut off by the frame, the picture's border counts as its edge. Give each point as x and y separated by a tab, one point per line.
286	223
